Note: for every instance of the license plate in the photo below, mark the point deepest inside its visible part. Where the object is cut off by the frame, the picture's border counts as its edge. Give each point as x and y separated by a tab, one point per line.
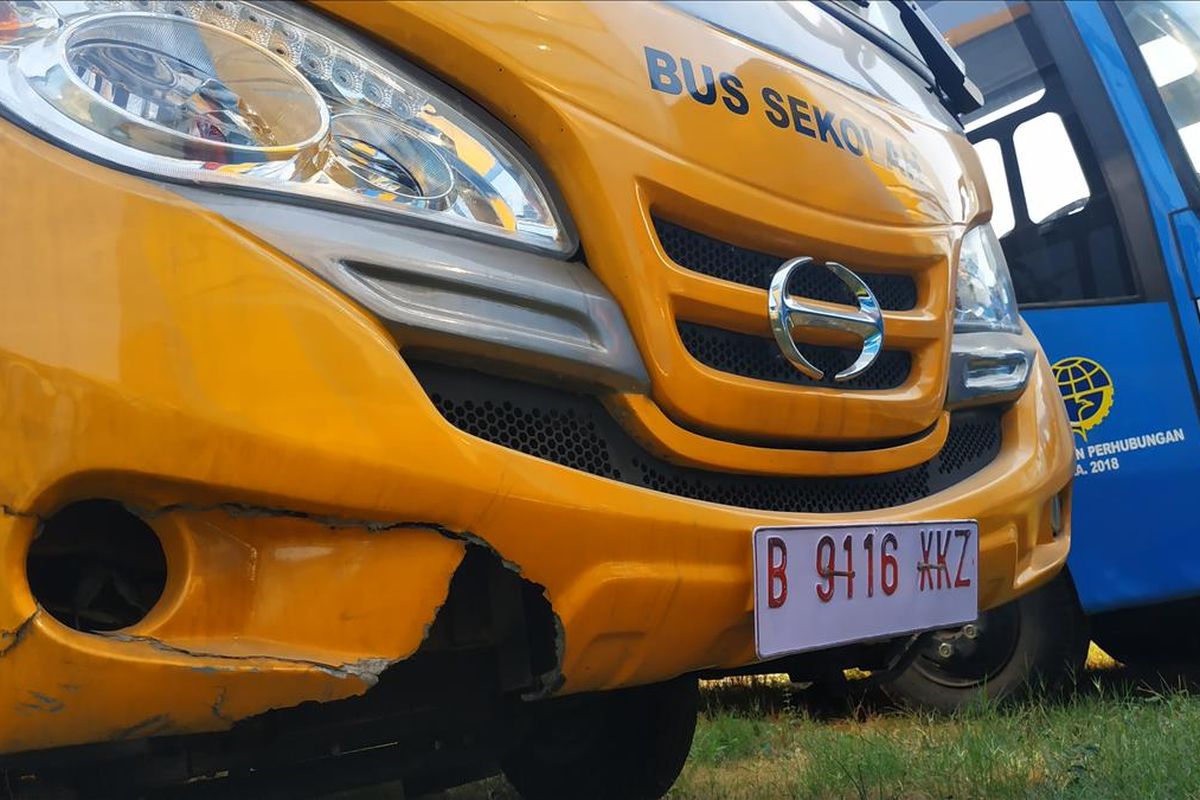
816	587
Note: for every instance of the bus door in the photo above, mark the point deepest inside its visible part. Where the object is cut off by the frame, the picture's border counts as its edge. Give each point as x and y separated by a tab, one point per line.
1072	213
1160	40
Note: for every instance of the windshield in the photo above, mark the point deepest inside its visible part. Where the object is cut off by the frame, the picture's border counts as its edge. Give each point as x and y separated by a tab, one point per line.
1167	34
884	16
993	37
1051	205
869	47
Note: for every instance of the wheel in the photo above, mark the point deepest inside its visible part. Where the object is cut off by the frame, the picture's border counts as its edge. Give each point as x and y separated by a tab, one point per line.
628	744
1035	643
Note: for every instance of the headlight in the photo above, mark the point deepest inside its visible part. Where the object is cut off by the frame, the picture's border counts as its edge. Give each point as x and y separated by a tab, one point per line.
985	300
264	97
990	356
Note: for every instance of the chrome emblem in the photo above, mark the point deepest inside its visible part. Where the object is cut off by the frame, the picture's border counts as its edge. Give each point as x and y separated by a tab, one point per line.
789	313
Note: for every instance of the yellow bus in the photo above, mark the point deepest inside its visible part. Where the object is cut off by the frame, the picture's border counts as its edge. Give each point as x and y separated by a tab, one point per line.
409	390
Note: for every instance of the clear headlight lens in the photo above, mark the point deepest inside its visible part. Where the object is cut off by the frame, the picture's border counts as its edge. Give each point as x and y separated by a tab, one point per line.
990	356
266	97
985	300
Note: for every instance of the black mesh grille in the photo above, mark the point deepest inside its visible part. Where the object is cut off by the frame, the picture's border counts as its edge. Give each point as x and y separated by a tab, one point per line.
576	431
710	256
756	357
558	433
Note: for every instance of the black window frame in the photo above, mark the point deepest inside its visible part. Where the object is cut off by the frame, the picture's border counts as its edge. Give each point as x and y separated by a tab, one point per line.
1113	152
1176	154
1110	150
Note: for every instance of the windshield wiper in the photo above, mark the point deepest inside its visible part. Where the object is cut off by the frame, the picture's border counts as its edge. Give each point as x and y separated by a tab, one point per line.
936	63
949	72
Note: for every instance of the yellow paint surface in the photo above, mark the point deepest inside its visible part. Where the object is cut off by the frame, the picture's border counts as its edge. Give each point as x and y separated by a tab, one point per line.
154	353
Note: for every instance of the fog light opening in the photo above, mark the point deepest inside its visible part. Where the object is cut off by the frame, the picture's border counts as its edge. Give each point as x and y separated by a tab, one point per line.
95	566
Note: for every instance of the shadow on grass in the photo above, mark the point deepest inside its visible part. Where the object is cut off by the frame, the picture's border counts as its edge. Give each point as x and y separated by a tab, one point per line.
1183	678
857	700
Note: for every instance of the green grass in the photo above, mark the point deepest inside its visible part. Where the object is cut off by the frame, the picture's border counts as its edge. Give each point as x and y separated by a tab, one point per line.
1108	741
1119	736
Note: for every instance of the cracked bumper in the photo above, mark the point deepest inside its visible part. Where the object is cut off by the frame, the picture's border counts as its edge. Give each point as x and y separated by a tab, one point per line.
265	610
162	357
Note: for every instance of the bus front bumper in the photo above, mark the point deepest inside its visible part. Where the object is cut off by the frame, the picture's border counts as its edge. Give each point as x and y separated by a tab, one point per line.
314	505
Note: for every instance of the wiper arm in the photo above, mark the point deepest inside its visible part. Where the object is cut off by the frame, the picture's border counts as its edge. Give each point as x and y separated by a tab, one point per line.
948	69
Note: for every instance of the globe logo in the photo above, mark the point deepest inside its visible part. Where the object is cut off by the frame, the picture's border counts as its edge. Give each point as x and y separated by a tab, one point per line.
1087	391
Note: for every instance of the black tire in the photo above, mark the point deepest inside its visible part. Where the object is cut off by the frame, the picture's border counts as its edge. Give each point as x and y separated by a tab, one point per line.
1034	644
629	744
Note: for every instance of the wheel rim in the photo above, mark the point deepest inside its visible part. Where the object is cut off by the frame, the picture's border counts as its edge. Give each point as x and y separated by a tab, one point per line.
970	656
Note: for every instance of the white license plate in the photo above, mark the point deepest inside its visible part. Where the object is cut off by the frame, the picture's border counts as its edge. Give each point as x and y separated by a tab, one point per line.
816	587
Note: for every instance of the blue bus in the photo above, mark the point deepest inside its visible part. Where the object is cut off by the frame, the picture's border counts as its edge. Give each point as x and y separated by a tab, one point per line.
1090	138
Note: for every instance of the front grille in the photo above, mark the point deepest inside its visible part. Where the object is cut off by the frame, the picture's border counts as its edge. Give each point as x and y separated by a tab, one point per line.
576	431
756	357
718	259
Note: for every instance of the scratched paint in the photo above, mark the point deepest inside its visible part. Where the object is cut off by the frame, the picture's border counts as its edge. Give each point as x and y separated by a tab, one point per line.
155	353
223	647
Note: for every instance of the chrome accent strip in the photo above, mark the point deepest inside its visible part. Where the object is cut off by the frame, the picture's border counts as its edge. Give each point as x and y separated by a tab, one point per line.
988	367
447	293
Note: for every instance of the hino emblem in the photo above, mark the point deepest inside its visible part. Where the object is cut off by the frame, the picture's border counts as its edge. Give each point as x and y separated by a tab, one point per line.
789	313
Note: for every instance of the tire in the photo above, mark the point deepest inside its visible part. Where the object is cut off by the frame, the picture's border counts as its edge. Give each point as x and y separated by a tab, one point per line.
629	744
1037	643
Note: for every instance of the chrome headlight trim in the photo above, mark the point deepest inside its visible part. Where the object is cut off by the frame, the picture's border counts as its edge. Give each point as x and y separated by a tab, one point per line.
501	195
988	367
991	356
984	298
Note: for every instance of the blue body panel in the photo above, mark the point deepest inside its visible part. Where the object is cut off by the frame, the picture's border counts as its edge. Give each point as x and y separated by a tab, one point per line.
1133	542
1134	538
1187	237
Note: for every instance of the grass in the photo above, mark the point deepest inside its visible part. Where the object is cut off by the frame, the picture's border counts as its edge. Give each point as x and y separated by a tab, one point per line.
1118	735
1116	742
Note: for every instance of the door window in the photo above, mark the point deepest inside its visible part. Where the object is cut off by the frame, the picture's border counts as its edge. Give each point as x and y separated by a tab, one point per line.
1051	206
993	169
1168	38
1051	177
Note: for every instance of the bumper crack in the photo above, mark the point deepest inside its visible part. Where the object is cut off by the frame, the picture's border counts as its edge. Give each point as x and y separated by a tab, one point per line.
246	510
9	511
9	640
367	670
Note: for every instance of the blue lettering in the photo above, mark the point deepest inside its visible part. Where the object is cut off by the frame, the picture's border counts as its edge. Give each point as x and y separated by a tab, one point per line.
709	96
800	115
734	100
661	68
774	111
825	126
852	136
893	156
866	132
